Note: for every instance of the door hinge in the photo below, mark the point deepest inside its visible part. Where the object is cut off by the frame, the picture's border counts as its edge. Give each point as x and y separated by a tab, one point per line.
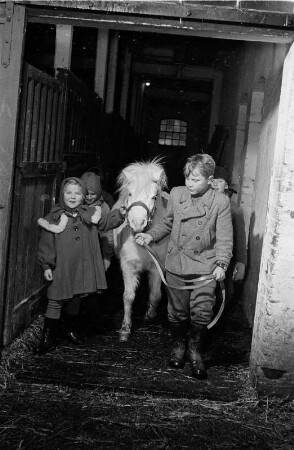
7	35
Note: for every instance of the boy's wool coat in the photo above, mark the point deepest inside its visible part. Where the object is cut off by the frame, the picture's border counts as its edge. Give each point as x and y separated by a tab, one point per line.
200	230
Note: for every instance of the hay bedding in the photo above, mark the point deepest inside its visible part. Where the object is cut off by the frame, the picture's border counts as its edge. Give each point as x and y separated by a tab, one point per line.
114	396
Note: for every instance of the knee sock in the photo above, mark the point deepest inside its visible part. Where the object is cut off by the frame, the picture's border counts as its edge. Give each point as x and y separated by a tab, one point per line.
54	309
73	306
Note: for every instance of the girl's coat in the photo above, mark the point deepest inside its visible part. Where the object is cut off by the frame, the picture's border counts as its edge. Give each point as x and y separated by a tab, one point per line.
74	254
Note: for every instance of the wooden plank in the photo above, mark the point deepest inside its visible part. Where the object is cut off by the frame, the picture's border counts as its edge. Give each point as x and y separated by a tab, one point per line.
189	27
125	83
258	12
54	126
63	46
29	119
9	94
112	70
170	70
35	123
42	124
39	168
48	123
101	62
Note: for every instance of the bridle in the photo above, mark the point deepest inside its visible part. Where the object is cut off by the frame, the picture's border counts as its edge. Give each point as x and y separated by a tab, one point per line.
150	213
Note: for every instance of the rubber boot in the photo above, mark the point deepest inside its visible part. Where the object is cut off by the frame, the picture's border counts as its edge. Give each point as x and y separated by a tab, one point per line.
70	329
195	346
50	336
178	352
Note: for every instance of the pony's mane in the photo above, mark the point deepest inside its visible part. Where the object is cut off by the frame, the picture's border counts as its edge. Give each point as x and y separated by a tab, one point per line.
143	173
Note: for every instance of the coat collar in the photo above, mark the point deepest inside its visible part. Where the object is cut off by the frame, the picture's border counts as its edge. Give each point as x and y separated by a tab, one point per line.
199	208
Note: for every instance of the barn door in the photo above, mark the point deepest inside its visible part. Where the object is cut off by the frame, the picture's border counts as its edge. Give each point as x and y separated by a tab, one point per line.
38	169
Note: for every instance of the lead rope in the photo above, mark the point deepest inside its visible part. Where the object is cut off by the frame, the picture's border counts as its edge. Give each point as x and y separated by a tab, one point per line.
203	280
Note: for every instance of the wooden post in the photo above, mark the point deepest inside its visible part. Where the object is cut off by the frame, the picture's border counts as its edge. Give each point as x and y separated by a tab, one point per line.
101	62
240	141
112	68
250	163
10	76
63	46
135	93
125	83
272	355
215	102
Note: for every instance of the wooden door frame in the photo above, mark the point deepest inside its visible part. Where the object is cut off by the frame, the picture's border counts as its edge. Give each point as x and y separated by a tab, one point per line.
10	75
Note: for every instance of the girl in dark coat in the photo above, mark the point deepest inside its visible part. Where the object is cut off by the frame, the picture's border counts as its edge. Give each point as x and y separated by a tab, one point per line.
70	256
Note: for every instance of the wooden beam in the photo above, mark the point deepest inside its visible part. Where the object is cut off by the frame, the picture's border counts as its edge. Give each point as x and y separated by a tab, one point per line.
125	83
63	46
169	94
244	12
112	70
101	62
215	103
9	94
169	25
174	71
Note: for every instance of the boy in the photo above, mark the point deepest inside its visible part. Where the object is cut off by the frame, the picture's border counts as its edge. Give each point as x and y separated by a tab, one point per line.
237	267
198	220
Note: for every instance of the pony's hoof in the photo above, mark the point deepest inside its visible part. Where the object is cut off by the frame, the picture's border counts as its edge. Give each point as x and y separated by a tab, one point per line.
124	334
150	314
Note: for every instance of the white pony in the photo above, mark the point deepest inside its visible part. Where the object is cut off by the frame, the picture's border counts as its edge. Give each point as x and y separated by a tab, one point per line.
141	192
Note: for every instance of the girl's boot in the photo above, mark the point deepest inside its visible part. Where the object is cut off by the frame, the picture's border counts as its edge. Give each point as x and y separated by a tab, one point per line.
178	335
50	336
195	345
71	329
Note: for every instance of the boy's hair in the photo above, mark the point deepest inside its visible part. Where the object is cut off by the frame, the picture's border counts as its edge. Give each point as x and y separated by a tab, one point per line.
205	163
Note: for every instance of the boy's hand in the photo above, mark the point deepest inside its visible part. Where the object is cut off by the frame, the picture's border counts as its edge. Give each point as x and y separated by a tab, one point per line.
239	271
219	274
48	275
143	238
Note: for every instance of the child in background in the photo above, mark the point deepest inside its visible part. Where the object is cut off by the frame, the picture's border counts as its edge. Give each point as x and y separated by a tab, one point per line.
94	197
70	256
236	271
198	220
107	197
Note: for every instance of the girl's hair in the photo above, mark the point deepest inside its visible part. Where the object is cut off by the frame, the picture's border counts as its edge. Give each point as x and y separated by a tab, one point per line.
203	161
75	182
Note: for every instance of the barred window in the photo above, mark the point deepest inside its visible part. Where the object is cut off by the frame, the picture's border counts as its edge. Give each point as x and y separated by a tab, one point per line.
173	132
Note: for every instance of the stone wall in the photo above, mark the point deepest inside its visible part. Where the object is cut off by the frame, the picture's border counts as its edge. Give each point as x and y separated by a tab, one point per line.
253	62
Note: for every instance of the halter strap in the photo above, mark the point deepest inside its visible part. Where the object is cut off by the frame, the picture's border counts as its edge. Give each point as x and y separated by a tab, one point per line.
202	281
138	203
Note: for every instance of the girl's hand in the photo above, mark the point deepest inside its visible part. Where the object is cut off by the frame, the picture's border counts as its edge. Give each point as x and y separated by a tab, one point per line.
48	275
143	238
219	274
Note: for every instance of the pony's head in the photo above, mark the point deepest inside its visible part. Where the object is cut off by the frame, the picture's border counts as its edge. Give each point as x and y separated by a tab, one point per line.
139	184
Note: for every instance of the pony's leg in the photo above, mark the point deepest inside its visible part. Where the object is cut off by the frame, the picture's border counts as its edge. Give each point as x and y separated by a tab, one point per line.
131	281
154	281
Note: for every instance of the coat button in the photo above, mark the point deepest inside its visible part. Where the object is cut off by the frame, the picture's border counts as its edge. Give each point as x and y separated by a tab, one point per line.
77	238
199	222
197	238
196	252
76	229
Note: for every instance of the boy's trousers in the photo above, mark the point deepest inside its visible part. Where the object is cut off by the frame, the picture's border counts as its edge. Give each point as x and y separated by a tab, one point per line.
196	305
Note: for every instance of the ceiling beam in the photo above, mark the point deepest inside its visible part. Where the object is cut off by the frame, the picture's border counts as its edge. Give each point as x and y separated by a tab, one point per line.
175	71
155	25
221	11
177	95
